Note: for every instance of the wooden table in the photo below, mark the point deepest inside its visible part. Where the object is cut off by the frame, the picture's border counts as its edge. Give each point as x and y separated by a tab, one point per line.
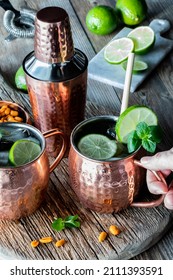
156	92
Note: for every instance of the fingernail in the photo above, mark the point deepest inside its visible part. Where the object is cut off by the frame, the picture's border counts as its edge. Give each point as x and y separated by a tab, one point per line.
145	160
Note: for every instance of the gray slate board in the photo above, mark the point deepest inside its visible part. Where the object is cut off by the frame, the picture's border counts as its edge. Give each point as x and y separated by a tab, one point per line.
112	74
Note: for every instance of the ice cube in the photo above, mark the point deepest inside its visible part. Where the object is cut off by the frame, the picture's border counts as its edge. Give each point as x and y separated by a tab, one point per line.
13	134
4	158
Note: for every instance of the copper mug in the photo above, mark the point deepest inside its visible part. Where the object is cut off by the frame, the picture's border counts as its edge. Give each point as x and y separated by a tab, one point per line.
106	186
23	188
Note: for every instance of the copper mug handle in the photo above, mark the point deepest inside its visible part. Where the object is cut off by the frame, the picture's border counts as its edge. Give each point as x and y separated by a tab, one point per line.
152	203
53	132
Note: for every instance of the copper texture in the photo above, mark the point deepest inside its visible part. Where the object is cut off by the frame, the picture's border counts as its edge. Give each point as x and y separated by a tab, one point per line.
59	105
56	76
23	188
53	39
105	186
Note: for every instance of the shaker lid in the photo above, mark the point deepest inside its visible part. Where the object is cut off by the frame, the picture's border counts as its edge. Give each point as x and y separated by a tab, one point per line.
53	41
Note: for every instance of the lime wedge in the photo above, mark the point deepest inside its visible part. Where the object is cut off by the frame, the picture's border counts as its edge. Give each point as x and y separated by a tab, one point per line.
129	119
118	50
97	146
143	38
138	66
23	151
20	81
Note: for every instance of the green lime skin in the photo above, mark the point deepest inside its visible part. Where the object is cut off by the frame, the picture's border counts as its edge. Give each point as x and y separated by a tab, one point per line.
101	20
131	12
23	151
128	120
138	66
20	81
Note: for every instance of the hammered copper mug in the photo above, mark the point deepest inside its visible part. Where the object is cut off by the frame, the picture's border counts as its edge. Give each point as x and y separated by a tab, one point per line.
23	188
106	186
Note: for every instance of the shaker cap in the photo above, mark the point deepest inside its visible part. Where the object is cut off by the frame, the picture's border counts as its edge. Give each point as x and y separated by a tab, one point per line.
53	41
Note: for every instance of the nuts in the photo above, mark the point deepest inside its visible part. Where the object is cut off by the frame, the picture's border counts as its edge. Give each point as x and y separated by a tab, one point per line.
46	239
102	236
114	230
34	243
8	114
60	243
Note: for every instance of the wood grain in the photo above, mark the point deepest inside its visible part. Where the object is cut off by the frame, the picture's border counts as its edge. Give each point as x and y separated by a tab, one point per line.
141	228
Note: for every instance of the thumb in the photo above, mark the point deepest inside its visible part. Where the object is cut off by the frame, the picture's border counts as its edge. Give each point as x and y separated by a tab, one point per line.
160	161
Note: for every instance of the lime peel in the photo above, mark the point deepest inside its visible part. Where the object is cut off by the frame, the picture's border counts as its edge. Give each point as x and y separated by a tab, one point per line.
129	119
138	66
143	38
118	50
23	151
20	80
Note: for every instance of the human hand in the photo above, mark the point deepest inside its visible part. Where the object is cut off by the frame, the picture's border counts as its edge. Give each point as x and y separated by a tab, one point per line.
163	162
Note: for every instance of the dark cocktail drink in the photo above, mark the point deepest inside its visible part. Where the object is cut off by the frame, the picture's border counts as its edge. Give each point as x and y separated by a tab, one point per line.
103	172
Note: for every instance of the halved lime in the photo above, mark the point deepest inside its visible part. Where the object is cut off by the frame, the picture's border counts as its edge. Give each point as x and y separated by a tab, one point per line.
138	65
118	50
23	151
20	80
129	119
97	146
143	38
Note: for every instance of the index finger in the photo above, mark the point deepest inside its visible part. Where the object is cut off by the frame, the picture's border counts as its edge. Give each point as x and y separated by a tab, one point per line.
155	186
160	161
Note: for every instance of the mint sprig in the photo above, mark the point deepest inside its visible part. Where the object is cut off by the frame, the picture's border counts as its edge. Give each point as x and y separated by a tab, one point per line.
69	222
146	136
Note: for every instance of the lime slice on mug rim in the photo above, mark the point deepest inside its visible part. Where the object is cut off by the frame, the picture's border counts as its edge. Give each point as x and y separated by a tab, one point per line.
129	119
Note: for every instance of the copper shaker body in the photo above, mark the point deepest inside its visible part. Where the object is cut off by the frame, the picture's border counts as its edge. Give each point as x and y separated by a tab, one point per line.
23	188
56	76
103	186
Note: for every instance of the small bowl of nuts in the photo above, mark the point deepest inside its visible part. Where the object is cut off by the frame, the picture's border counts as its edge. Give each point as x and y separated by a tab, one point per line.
13	112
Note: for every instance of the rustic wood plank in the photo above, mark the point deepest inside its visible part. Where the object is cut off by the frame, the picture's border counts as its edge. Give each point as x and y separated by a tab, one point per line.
156	92
82	243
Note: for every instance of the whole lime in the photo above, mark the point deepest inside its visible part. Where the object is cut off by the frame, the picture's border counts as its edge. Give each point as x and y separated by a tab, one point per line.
20	81
101	20
131	12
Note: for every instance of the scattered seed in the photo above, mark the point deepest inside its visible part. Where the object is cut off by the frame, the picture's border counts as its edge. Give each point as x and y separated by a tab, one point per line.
102	236
114	230
34	243
46	239
60	243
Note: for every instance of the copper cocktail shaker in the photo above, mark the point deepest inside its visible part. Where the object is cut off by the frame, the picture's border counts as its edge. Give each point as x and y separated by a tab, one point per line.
56	75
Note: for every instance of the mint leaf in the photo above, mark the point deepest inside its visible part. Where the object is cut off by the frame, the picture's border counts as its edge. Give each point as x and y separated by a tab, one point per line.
58	224
149	145
71	221
156	133
68	222
143	130
133	142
